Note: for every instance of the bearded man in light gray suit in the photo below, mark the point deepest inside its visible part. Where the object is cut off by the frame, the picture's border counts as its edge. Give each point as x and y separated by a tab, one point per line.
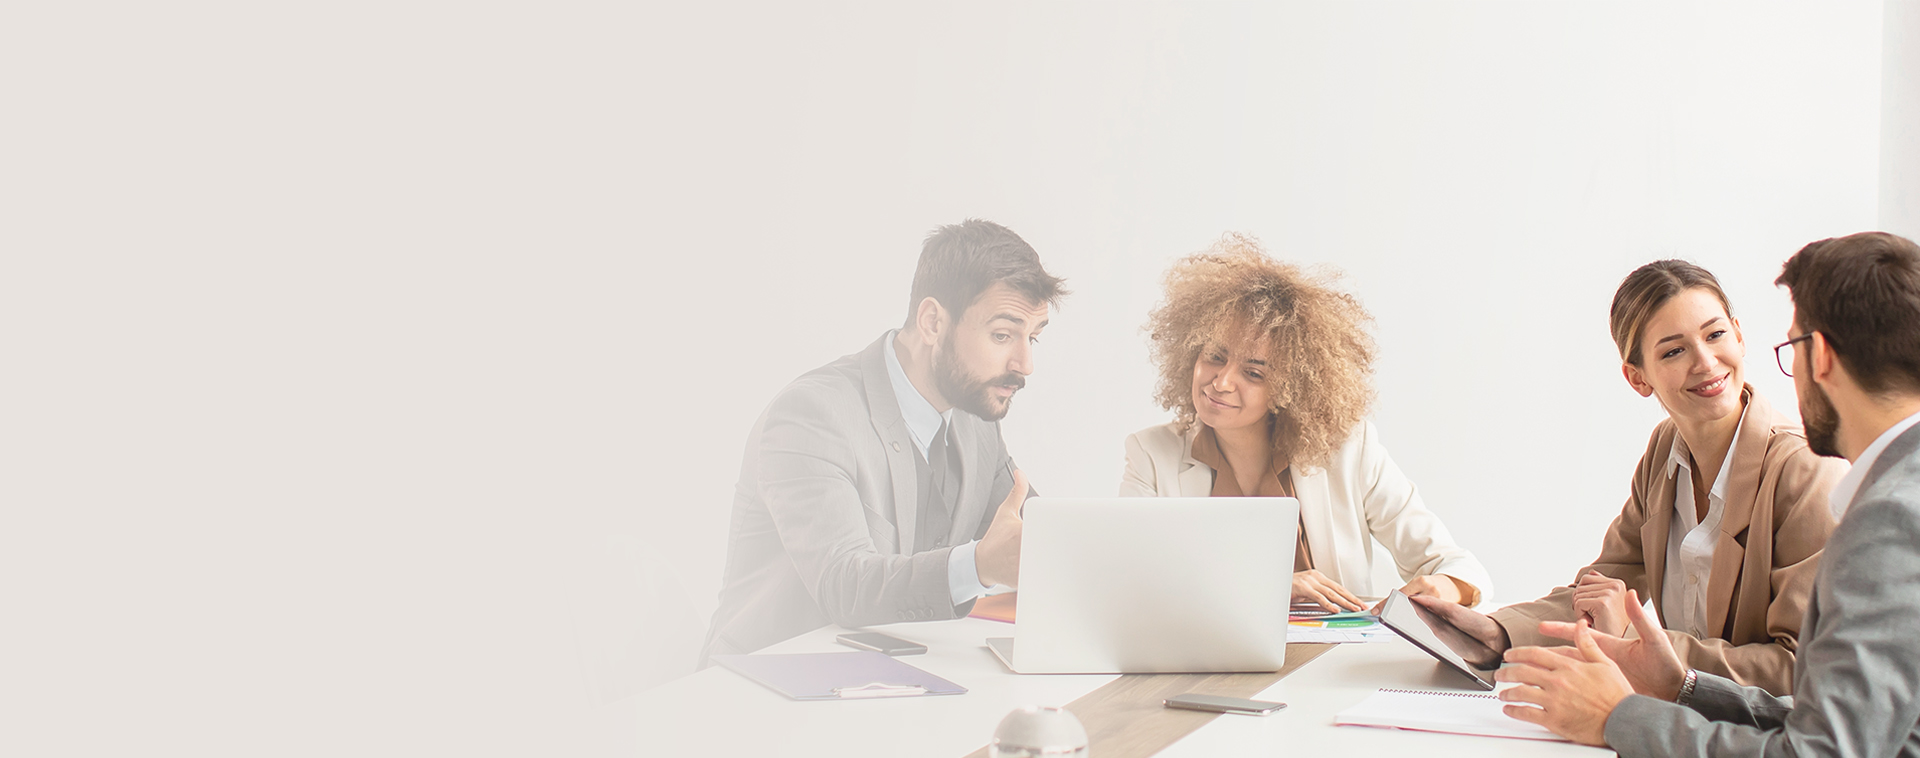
876	489
1854	354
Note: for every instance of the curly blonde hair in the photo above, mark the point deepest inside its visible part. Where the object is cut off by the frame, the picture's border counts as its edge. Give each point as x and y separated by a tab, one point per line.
1234	294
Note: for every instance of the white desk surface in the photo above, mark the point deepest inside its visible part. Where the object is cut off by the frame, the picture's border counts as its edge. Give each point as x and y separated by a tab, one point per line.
717	712
1337	680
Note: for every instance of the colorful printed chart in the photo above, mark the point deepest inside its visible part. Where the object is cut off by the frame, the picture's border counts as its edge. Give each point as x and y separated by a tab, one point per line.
1341	628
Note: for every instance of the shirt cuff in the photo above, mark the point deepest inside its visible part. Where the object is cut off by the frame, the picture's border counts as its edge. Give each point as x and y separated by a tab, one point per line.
963	575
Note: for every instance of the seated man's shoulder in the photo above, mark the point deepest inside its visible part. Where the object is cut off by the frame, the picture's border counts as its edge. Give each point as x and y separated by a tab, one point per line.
835	386
1896	487
1885	510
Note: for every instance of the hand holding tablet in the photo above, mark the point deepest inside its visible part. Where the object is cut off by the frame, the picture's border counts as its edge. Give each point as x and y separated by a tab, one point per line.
1416	624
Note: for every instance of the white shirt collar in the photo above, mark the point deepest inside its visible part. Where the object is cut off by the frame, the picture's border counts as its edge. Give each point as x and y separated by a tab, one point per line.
1849	485
922	420
1680	453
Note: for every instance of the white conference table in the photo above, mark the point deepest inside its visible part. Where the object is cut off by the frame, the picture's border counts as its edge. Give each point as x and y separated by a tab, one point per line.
717	712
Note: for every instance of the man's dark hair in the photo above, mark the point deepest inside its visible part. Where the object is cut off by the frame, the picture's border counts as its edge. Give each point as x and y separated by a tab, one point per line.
960	261
1862	292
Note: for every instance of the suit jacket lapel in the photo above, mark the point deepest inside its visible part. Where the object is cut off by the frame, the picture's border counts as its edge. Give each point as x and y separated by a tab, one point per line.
1196	478
884	410
1749	451
1653	533
1348	567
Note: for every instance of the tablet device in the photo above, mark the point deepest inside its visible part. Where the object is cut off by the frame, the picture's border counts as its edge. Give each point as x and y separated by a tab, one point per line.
1411	621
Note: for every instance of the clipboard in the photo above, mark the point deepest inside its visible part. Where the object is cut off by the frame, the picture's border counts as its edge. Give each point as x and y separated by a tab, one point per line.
837	676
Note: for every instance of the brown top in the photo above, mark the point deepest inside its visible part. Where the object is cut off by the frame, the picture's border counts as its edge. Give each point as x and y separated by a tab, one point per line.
1277	483
1775	525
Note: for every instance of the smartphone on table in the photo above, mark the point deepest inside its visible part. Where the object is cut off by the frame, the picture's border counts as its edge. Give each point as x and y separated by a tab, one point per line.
880	643
1194	701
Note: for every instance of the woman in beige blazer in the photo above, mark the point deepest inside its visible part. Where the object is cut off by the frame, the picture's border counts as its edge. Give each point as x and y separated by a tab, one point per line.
1269	371
1728	513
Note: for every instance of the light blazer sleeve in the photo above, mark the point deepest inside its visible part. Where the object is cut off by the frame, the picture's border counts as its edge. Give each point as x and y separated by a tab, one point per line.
1621	557
1857	689
807	459
1137	479
1399	519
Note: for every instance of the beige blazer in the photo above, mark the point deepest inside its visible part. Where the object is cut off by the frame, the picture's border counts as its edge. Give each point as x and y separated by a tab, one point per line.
1772	532
1359	494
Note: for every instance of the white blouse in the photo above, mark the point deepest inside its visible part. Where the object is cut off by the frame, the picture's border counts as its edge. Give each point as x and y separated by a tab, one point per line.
1691	539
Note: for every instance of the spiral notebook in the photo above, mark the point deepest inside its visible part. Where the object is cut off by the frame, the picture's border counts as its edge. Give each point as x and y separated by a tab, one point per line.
1477	713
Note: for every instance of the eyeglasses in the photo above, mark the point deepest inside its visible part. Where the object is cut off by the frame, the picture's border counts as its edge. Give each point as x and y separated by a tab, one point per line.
1783	353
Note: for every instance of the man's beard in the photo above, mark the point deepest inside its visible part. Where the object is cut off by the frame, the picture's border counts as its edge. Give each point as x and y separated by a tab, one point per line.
1821	421
967	393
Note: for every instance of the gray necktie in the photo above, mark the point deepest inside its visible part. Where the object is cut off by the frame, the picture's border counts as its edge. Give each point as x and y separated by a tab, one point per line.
943	491
944	459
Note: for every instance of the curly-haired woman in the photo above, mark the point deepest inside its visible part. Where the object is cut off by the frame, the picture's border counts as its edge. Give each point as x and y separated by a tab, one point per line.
1269	371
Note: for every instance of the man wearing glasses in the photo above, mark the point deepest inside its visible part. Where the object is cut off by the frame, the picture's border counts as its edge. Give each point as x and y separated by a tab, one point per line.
1854	355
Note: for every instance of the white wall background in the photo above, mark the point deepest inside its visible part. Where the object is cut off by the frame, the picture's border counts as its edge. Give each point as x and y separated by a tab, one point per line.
376	375
1899	113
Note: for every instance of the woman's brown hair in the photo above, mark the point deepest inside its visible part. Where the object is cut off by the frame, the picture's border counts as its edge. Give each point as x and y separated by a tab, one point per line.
1648	288
1232	293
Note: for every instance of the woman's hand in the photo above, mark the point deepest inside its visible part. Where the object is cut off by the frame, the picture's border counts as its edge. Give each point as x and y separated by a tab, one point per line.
1311	586
1435	585
1474	635
1602	601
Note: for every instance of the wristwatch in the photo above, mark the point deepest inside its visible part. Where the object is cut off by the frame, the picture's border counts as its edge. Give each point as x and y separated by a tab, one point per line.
1686	688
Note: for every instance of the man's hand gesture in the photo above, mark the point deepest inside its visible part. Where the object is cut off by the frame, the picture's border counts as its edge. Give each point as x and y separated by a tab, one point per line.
997	558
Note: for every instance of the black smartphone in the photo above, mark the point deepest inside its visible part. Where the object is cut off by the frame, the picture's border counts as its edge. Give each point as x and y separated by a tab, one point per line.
881	643
1218	704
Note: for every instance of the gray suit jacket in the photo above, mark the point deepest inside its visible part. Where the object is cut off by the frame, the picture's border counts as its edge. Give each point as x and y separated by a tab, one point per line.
1857	677
825	511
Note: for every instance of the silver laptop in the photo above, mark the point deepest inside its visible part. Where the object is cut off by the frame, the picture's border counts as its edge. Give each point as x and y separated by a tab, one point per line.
1153	585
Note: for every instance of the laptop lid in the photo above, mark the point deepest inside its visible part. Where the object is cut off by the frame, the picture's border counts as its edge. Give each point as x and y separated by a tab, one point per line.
1151	585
